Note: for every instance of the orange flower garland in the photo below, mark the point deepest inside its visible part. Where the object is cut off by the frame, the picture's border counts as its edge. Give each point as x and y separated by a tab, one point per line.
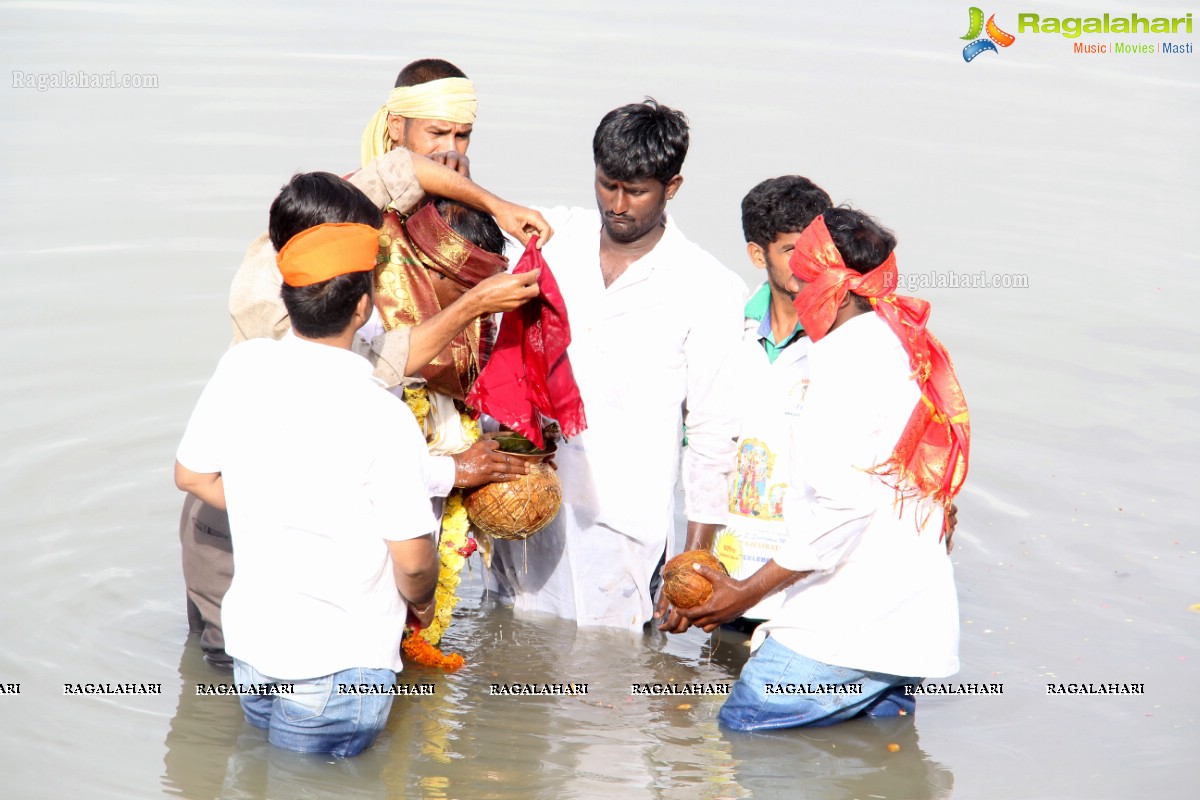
420	645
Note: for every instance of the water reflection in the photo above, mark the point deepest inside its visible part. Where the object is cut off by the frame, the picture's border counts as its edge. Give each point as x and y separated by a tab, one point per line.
464	741
854	759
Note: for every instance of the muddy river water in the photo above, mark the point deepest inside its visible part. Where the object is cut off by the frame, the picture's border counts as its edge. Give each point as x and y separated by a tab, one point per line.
1064	182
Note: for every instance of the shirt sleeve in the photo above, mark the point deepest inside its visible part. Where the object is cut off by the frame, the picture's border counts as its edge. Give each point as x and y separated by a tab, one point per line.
710	409
388	354
440	477
202	448
255	306
390	181
397	482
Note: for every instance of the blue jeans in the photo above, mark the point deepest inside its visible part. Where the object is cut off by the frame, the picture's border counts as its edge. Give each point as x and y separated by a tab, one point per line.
775	690
314	717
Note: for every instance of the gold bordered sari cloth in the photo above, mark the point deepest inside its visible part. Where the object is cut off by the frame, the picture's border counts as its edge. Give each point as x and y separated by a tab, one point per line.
404	290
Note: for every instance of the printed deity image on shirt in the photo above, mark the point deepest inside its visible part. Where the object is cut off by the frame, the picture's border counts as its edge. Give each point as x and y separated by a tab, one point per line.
754	495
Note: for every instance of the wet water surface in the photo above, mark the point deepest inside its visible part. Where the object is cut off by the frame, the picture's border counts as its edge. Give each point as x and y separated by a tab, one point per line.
126	214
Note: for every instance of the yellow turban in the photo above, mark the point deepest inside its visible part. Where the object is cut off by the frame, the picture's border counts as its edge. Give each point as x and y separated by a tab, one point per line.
451	99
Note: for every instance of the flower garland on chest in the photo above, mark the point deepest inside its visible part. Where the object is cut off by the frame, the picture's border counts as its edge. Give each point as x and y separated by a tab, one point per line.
454	547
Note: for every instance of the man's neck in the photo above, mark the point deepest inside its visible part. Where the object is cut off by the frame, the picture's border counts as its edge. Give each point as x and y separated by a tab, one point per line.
783	315
615	257
342	341
846	314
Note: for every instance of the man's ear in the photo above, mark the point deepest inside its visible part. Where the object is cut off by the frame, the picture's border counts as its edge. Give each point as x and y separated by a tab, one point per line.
673	186
362	311
395	124
758	256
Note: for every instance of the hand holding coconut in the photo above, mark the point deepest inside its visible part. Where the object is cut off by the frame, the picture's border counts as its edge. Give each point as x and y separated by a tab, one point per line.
729	598
483	463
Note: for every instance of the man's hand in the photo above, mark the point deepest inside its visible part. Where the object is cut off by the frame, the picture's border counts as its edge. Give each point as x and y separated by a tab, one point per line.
522	222
503	292
672	620
730	599
454	160
421	616
483	463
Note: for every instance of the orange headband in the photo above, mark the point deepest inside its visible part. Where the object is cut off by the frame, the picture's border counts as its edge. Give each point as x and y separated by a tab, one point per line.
326	251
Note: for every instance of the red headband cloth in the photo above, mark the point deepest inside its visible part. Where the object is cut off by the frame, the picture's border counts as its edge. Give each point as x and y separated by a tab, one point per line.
317	254
930	459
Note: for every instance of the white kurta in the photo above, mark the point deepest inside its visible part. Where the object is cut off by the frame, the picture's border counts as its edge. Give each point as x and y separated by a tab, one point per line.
647	353
755	529
881	597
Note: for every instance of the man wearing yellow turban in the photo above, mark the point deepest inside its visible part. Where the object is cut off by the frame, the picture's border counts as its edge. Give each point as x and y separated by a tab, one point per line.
431	112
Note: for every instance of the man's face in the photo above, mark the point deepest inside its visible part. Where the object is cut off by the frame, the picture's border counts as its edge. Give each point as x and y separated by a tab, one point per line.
445	289
428	136
775	261
629	210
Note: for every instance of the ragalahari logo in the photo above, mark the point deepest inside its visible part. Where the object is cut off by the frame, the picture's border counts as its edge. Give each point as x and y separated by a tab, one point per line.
995	36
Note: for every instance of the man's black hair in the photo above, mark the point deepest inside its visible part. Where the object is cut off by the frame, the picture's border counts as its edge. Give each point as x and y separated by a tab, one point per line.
309	199
786	204
427	69
641	140
863	242
314	198
475	226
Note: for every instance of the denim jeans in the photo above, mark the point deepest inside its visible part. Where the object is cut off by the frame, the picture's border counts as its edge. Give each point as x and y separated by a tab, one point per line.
775	691
314	717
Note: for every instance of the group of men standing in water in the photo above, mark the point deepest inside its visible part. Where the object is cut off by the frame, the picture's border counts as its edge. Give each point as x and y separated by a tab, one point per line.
826	434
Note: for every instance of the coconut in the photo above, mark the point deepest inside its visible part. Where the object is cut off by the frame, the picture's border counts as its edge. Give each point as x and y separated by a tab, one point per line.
519	508
685	587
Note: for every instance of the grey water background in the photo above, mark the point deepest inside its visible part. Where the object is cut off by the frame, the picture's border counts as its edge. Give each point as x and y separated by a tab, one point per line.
125	214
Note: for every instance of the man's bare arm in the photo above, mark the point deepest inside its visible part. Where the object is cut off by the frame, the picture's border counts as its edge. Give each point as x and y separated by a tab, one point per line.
208	486
731	598
497	294
516	220
415	566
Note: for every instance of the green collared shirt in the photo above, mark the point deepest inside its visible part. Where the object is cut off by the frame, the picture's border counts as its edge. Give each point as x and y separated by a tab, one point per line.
759	308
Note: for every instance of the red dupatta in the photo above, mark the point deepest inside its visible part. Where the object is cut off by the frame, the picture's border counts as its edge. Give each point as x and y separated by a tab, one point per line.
529	374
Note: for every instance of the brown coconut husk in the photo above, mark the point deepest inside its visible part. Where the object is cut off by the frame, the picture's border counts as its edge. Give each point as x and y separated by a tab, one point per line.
516	509
684	587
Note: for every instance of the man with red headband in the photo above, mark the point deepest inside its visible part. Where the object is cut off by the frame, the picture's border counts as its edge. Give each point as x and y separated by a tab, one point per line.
880	451
323	476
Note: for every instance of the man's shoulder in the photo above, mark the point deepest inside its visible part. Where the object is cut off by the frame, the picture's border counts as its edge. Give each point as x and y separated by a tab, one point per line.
571	221
687	254
250	354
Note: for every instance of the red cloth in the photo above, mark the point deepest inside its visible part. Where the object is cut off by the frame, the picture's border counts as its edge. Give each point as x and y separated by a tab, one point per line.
930	459
529	376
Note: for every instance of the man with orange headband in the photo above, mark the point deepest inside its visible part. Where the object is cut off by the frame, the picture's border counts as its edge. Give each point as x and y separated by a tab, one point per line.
322	474
395	180
880	449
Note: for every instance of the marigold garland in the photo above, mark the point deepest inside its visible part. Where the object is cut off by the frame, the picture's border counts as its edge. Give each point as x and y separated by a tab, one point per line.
453	549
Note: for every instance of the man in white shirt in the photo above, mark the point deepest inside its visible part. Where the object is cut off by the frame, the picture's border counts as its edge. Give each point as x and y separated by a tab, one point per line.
653	319
870	606
323	474
408	168
773	360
